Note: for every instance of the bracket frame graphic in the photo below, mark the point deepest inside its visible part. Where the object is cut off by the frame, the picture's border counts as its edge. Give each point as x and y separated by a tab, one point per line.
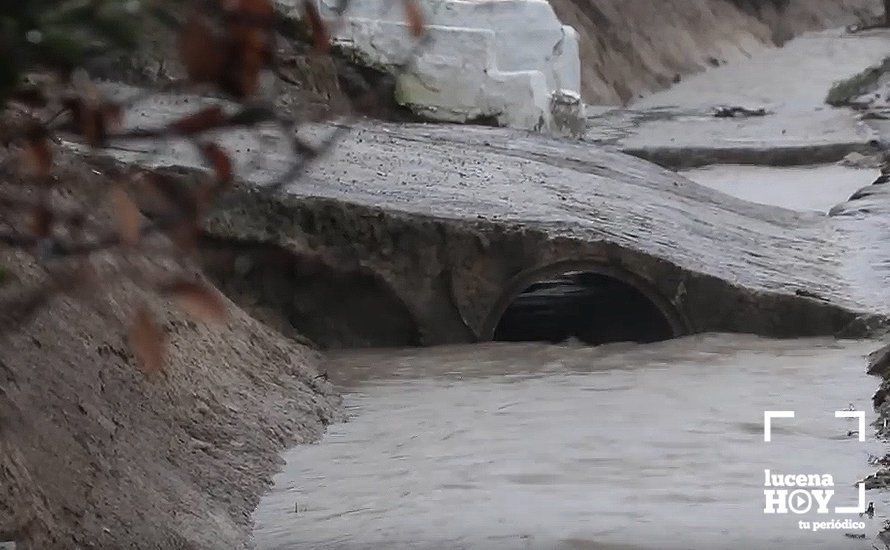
768	417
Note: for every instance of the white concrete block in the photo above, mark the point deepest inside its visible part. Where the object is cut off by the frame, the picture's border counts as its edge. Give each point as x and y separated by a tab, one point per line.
494	59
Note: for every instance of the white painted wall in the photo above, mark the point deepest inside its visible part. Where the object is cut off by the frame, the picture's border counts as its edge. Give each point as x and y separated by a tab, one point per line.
486	58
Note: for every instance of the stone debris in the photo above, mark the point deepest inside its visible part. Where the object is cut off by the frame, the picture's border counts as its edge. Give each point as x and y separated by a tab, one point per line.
739	112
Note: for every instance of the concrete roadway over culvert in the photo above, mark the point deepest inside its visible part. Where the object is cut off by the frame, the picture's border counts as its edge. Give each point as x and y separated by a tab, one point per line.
458	221
436	232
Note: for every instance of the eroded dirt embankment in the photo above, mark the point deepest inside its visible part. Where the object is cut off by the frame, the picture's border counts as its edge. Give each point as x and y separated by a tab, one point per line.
93	454
631	47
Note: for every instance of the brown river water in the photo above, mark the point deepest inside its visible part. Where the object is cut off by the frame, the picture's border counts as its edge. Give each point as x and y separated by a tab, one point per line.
563	446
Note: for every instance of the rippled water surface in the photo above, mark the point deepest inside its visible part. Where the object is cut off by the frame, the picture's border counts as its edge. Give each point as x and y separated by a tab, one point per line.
802	188
538	446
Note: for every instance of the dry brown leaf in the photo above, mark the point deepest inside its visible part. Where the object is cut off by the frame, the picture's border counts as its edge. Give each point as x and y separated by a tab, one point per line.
247	16
257	10
253	59
200	121
202	52
414	18
248	42
320	37
112	117
41	221
127	216
93	119
37	156
148	342
199	301
220	162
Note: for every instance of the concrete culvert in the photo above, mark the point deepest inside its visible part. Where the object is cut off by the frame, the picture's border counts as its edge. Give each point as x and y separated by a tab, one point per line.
592	307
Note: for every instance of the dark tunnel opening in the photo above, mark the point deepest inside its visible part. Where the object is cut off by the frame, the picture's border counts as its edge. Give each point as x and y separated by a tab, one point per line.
594	308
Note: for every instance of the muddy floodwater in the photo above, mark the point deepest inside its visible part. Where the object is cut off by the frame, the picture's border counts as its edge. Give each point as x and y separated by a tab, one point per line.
543	446
802	188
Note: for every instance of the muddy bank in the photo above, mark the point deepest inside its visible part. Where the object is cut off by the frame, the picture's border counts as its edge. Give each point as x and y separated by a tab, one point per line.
879	366
632	47
93	454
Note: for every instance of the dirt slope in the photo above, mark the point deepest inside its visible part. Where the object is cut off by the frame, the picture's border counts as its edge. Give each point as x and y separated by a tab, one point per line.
630	47
92	454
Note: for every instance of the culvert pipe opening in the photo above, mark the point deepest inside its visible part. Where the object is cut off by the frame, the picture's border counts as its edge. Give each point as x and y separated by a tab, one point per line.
594	308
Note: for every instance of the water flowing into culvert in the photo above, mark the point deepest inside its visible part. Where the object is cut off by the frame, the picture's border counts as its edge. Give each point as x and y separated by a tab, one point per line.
592	307
814	188
528	445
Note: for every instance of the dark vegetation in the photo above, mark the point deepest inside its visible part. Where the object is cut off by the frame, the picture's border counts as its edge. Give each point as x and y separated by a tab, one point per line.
48	51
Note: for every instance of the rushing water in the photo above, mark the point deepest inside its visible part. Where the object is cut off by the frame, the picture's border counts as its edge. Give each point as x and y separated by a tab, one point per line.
801	188
539	446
